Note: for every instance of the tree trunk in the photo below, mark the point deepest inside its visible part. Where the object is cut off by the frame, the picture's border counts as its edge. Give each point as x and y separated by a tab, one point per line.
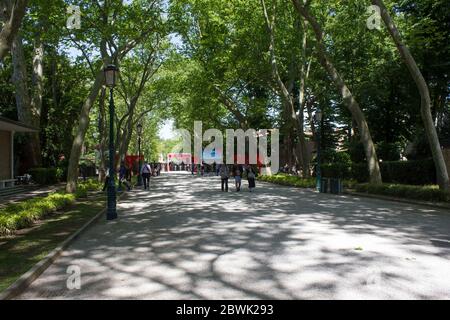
286	97
83	124
37	79
304	74
126	137
12	13
430	129
349	100
26	113
103	138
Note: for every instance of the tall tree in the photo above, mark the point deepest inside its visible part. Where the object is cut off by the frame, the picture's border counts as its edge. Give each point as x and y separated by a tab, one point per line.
114	35
349	100
416	74
286	92
29	102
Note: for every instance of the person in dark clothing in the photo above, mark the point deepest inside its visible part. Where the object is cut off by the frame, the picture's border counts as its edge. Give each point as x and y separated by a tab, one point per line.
145	173
224	175
83	171
123	176
251	177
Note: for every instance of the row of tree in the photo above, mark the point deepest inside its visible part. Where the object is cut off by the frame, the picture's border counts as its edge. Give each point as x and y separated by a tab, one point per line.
234	64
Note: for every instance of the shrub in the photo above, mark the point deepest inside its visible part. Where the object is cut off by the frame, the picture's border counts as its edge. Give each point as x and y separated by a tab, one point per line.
360	172
336	170
287	180
421	172
84	187
61	174
24	214
44	176
427	193
388	151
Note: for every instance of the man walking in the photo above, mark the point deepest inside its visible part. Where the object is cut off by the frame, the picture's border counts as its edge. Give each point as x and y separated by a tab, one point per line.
224	175
145	173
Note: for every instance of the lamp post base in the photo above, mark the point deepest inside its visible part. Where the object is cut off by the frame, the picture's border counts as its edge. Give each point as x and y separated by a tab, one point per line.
319	184
111	212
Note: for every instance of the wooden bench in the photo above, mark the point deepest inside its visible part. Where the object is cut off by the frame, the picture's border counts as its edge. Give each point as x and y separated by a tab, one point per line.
7	183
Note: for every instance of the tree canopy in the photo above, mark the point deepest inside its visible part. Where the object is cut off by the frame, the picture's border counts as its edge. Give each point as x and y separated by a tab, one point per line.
231	64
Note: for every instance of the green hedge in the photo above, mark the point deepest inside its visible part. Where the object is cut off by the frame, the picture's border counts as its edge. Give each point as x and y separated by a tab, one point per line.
426	193
288	180
294	181
421	172
90	185
24	214
44	176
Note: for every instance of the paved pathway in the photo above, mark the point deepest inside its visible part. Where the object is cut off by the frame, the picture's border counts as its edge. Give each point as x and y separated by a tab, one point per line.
186	240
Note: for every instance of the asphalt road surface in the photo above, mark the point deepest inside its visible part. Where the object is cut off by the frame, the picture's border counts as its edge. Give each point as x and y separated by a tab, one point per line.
185	239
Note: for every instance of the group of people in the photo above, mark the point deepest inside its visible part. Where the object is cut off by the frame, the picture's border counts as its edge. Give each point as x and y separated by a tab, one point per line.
237	172
147	170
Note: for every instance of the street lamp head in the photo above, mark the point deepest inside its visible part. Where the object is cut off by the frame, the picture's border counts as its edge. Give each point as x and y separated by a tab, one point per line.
111	75
139	129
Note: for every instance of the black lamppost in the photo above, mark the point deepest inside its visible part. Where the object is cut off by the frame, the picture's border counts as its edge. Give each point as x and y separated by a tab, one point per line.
111	74
139	131
318	117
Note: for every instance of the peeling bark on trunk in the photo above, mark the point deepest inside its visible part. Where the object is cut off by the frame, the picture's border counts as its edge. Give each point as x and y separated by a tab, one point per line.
37	79
416	74
26	113
348	98
12	13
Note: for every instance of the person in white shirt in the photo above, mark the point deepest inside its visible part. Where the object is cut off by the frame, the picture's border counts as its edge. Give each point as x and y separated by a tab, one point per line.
146	171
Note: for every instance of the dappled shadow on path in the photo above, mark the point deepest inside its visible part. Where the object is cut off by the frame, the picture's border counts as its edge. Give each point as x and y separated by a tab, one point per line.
184	239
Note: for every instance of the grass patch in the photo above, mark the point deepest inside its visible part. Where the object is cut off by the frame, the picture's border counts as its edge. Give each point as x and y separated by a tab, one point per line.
24	214
426	193
21	252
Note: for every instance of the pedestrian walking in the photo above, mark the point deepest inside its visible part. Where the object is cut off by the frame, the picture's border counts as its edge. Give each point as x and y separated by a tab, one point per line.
145	173
123	177
251	177
237	178
105	185
158	172
224	175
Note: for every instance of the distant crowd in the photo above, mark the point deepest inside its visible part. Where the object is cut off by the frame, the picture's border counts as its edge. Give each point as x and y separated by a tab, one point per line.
226	172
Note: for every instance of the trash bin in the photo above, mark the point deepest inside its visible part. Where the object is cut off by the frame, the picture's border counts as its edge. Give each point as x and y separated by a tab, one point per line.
324	185
336	186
